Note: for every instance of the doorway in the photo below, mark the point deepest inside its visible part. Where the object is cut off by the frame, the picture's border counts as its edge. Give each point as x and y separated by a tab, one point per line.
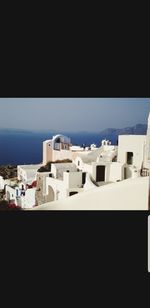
100	173
129	158
125	173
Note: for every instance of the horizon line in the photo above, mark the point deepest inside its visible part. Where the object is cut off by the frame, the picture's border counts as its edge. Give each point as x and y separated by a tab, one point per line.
65	131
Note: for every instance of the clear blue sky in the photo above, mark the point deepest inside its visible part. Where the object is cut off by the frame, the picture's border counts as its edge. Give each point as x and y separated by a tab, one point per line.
73	114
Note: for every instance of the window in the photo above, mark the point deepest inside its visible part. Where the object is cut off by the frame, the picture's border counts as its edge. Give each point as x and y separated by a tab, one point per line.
57	146
73	193
78	163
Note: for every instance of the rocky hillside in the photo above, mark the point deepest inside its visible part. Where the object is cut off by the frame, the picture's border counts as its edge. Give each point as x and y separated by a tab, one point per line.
113	133
139	129
8	171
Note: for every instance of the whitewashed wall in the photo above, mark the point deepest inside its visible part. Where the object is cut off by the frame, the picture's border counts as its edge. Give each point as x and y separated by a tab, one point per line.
116	172
73	179
131	143
2	183
62	154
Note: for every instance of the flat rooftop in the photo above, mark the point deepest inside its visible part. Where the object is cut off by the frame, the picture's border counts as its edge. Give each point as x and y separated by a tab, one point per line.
31	166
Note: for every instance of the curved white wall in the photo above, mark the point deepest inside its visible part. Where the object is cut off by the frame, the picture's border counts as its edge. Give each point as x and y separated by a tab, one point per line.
131	194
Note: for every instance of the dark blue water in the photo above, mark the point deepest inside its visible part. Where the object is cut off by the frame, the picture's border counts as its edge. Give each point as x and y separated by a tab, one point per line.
26	148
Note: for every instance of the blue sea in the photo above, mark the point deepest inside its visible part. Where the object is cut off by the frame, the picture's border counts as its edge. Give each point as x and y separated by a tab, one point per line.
26	148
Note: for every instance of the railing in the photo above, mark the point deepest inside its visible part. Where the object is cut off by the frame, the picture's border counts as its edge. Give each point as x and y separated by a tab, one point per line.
145	172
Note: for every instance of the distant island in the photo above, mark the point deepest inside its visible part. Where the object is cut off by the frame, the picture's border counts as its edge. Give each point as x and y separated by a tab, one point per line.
136	129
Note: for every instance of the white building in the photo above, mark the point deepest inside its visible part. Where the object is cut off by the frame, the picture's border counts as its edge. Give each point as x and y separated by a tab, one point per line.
124	168
57	148
121	167
27	173
100	164
64	180
20	195
22	190
60	148
2	183
131	150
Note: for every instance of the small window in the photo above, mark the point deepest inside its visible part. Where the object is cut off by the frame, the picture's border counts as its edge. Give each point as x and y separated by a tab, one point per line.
73	193
78	163
125	173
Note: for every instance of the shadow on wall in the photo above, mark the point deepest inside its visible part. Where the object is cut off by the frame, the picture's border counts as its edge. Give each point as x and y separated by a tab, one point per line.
51	195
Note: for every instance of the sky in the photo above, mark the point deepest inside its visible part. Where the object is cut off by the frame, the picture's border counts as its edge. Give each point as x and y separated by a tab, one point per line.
72	114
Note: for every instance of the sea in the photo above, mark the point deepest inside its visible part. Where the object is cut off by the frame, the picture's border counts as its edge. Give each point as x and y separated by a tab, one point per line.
26	148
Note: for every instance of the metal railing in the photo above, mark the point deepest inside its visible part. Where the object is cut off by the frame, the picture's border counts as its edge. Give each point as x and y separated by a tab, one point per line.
145	172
